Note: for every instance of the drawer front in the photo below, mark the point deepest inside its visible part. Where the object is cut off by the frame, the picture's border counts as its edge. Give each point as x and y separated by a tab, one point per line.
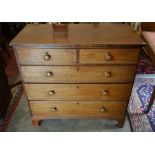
109	56
78	91
62	109
46	56
81	74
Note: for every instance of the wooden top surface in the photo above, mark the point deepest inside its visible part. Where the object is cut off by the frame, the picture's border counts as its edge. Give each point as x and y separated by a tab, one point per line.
77	35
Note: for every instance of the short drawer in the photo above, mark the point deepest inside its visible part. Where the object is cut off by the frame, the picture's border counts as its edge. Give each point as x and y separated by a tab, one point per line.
80	74
78	91
82	109
46	56
109	56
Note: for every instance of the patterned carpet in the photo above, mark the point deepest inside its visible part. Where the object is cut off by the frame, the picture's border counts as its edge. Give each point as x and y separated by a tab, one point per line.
145	65
17	91
140	97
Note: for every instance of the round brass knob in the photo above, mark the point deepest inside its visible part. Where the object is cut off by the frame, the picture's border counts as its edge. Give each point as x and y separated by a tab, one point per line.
105	93
49	74
52	92
107	74
109	57
103	109
53	109
47	57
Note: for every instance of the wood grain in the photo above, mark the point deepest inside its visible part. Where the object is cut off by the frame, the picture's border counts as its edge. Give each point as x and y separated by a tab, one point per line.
78	91
82	35
82	109
119	56
77	71
78	74
36	56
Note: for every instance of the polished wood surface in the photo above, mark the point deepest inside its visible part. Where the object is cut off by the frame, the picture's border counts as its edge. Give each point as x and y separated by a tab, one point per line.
37	56
109	56
78	74
77	71
78	91
35	122
82	109
83	35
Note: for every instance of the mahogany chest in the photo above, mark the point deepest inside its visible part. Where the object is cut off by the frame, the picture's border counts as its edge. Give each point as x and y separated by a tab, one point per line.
77	70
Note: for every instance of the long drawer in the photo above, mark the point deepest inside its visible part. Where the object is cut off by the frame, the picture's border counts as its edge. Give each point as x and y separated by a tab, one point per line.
81	74
46	56
109	56
62	109
78	91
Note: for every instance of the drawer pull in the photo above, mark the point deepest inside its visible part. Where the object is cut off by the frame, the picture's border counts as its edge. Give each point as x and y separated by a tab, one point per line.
105	93
52	92
103	109
47	57
107	74
109	57
49	74
53	109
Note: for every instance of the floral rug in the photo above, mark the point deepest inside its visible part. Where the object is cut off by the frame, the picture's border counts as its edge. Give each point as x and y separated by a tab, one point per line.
140	97
145	65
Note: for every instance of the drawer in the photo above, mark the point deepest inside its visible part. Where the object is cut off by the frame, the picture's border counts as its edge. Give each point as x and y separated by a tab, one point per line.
109	56
81	74
46	56
82	109
78	91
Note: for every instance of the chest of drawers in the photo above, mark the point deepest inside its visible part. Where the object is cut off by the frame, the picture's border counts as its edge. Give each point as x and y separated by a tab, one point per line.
82	71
